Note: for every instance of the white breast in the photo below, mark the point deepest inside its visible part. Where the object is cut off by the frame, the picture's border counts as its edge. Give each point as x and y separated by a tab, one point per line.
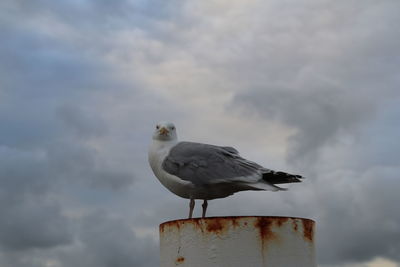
157	153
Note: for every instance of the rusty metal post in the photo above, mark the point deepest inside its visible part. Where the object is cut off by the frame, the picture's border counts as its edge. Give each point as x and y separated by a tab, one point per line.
238	241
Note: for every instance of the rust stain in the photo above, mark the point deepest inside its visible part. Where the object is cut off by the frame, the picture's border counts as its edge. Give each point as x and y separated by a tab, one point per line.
281	220
198	224
171	225
217	225
268	228
179	260
295	226
308	229
235	222
264	225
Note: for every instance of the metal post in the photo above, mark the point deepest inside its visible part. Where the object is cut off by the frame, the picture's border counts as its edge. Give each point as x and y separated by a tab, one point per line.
255	241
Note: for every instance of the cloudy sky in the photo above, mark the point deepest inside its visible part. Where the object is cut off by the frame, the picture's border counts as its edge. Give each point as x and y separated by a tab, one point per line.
306	86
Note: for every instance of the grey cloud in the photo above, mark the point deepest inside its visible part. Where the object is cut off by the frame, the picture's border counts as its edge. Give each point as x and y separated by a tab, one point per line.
361	224
32	224
31	212
43	65
318	115
44	151
98	19
29	218
79	163
45	87
112	242
321	88
330	94
98	239
83	123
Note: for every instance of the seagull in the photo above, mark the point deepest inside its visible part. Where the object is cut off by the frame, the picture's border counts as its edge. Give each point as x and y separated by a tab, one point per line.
202	171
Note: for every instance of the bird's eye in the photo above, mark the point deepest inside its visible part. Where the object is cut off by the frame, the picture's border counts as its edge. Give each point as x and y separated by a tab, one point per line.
157	127
173	128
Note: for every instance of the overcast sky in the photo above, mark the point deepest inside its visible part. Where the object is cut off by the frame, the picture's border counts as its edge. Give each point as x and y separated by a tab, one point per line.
306	86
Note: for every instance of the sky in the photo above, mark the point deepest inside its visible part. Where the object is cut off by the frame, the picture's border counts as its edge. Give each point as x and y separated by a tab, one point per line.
305	86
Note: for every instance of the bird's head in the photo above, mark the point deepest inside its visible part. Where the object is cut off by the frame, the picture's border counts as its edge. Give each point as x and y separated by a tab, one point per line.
165	131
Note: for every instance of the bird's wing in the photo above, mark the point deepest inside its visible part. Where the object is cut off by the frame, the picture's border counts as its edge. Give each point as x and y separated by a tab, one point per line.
204	164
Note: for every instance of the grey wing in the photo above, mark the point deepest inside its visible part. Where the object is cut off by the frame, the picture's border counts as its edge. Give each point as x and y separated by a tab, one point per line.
207	164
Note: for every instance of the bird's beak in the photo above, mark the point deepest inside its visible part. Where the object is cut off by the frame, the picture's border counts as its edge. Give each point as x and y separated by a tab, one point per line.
164	131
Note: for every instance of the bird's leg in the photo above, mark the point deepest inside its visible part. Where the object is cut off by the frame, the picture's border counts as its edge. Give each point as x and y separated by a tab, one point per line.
205	204
191	206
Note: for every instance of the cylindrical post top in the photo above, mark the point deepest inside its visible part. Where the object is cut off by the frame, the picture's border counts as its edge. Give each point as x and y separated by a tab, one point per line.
238	241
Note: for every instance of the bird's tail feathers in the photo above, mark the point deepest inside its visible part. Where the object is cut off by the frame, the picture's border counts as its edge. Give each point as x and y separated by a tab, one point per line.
267	187
274	177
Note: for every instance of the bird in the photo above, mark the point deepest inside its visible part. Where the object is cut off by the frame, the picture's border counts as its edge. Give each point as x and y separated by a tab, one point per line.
203	171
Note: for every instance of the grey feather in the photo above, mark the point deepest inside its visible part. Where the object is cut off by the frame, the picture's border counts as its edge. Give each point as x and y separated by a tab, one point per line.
204	164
